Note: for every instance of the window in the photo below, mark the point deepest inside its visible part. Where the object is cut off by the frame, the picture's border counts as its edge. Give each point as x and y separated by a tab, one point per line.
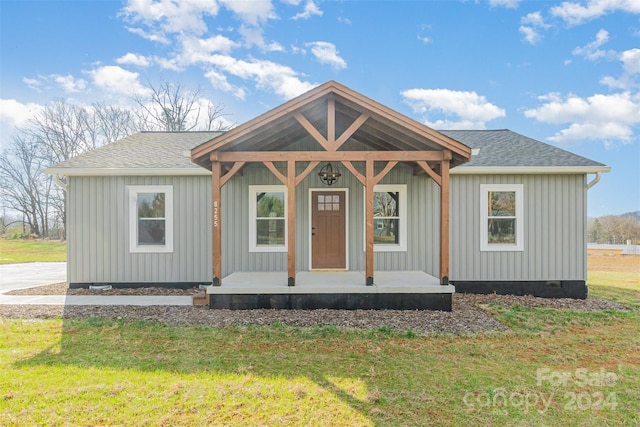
267	218
389	218
501	217
150	218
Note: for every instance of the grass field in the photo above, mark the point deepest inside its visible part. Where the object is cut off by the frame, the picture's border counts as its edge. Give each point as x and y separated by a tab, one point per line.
17	250
556	367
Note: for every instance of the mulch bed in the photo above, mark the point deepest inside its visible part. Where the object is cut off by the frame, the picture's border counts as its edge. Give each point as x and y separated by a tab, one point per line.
469	313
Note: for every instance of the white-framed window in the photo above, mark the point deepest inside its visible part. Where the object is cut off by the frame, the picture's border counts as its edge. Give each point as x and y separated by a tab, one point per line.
501	217
150	218
267	218
389	218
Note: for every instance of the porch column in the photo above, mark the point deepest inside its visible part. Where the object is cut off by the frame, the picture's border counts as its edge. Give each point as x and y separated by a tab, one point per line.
370	183
291	222
216	229
444	219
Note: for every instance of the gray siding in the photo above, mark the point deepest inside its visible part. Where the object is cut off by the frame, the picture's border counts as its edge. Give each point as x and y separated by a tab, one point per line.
98	221
554	230
422	228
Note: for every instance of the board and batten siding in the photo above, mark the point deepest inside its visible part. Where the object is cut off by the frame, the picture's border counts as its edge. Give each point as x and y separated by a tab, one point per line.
98	224
423	218
554	217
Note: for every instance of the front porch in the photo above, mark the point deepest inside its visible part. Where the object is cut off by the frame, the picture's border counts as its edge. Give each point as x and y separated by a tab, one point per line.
392	290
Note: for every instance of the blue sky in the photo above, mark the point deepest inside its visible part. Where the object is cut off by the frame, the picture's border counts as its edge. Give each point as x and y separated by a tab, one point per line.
566	73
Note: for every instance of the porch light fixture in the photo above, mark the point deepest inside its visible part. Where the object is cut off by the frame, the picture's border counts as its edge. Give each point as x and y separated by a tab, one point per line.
328	175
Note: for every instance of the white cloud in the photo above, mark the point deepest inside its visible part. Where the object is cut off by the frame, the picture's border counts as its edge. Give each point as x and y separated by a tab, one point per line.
509	4
592	51
117	80
252	36
310	9
69	83
16	113
267	75
630	68
343	20
251	12
534	18
174	16
134	59
219	81
471	109
34	84
631	61
598	117
151	36
326	53
531	24
574	13
196	50
529	34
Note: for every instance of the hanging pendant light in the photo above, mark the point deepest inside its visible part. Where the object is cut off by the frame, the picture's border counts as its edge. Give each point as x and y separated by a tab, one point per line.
328	175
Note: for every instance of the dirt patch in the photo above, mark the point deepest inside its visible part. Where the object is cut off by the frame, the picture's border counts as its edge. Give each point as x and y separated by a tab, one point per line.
619	263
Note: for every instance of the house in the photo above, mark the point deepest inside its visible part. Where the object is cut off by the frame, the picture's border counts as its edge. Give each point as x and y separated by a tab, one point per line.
331	200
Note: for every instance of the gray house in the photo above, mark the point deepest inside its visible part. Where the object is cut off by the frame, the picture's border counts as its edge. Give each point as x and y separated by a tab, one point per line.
330	200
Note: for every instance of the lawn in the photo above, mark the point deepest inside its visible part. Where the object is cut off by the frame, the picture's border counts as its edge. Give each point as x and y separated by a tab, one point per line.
556	367
17	250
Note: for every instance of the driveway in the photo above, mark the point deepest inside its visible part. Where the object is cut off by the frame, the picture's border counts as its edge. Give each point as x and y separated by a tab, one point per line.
28	275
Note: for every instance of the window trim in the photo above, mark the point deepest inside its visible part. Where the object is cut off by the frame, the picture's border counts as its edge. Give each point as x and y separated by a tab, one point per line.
253	205
133	191
485	246
403	219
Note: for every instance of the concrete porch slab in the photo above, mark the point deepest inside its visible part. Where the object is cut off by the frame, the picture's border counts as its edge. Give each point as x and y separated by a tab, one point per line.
392	290
397	282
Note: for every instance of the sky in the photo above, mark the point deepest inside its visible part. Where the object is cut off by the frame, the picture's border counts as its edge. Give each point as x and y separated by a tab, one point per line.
565	73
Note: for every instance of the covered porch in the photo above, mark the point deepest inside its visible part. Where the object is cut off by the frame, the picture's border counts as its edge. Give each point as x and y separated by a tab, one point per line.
331	123
398	290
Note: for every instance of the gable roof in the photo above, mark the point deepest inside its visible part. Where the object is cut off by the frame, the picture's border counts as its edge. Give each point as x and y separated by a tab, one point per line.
144	153
369	125
505	151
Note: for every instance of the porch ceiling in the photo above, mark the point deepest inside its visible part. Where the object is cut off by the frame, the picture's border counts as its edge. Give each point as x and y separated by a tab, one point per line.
332	106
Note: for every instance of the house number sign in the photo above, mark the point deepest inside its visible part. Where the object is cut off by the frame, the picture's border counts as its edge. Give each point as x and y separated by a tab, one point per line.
215	214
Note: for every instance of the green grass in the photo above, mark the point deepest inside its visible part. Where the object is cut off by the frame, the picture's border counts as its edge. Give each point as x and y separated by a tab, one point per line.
622	287
98	372
16	250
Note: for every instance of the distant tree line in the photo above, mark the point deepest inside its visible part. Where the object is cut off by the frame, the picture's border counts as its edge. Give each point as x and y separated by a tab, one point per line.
614	229
62	130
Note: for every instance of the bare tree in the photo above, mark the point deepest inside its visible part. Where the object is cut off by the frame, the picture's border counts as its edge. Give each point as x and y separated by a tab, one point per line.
62	129
113	122
215	114
24	187
173	108
169	107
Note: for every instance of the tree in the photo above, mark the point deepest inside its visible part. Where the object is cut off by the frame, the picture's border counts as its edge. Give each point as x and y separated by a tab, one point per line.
25	188
614	229
173	108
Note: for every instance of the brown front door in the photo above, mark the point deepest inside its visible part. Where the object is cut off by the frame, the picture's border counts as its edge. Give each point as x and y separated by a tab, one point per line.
328	230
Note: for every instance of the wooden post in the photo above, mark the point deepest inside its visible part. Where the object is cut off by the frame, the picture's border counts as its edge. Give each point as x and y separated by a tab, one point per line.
369	222
444	221
291	222
216	229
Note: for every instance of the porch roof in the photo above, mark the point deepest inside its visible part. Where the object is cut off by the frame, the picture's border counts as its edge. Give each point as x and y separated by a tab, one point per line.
337	119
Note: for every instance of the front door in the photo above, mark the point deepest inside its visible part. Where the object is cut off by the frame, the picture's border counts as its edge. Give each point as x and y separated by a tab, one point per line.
328	230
